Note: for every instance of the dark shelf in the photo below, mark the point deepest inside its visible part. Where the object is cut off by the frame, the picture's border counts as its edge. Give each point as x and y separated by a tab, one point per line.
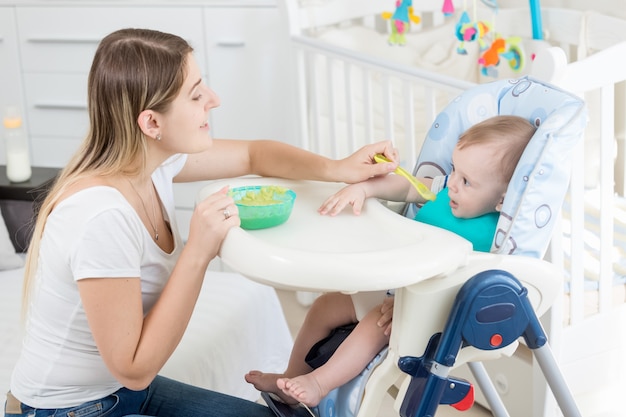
27	190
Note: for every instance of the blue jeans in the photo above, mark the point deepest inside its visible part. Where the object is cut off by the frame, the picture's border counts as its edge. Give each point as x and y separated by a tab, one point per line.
163	398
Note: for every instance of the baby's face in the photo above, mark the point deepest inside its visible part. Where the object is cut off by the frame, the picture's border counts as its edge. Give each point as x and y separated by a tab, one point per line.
475	185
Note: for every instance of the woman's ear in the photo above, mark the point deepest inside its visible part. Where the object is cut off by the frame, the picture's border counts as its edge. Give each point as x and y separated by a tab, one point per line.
148	124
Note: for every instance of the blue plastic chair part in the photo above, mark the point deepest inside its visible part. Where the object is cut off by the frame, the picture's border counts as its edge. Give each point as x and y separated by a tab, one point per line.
490	311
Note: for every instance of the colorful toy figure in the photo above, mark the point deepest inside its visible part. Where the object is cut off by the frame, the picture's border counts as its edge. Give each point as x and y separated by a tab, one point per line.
448	8
491	57
401	19
468	31
493	48
509	50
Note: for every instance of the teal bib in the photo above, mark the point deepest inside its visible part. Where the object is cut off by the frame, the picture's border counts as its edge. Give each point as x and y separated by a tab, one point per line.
479	230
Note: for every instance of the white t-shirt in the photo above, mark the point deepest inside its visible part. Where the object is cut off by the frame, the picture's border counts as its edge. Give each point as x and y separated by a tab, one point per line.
93	233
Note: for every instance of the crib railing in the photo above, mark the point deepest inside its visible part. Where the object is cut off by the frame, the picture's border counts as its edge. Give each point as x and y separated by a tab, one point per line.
600	81
345	97
348	98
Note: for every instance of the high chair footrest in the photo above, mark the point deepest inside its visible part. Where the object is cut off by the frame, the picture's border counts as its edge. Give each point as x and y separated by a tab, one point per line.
284	410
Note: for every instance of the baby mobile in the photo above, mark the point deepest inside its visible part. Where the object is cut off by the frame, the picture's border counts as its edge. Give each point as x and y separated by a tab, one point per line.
401	19
493	48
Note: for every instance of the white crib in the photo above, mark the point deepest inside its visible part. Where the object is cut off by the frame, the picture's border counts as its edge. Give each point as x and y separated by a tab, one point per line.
354	88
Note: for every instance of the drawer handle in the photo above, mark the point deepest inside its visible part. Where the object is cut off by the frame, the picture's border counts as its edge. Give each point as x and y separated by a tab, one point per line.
64	40
61	106
231	44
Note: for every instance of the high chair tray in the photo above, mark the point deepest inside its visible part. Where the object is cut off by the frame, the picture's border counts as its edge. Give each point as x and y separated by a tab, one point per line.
376	250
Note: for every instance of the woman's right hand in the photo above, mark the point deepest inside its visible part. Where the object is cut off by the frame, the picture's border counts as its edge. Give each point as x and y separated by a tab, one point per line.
361	165
212	218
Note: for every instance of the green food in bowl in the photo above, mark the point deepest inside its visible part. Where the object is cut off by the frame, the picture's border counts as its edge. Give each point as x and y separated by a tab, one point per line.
262	206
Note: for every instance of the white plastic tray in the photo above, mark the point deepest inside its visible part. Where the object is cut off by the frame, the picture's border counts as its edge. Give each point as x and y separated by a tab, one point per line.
377	250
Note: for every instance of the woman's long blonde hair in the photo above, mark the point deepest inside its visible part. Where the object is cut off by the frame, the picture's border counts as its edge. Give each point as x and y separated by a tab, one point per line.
133	70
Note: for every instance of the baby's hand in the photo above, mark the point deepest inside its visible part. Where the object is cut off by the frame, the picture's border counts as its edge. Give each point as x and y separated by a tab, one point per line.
386	315
352	194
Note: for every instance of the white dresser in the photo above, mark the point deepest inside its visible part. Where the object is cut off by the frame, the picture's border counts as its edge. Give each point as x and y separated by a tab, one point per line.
46	49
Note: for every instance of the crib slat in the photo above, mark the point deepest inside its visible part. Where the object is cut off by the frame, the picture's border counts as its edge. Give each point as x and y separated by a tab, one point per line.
368	117
606	197
303	119
347	70
313	102
430	101
331	99
410	151
388	107
577	250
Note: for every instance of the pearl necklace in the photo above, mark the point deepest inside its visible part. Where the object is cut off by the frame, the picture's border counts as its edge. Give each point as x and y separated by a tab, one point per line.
153	220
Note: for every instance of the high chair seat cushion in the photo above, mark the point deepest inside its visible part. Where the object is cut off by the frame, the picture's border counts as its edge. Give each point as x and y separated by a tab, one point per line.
540	180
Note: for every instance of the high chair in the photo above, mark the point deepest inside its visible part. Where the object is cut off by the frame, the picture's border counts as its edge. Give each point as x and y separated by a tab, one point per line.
531	205
478	305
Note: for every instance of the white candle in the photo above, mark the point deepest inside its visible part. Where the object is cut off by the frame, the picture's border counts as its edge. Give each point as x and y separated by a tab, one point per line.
18	165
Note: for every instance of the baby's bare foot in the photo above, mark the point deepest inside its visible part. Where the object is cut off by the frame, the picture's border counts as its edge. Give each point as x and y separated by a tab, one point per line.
266	382
304	388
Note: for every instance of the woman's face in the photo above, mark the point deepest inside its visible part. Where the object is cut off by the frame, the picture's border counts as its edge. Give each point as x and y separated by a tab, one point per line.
185	127
475	186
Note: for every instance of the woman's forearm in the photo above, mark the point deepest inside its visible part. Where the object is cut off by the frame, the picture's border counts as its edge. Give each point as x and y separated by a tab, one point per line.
269	158
164	326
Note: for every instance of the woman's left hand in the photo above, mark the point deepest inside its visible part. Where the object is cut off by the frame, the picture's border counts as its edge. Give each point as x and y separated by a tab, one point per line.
212	218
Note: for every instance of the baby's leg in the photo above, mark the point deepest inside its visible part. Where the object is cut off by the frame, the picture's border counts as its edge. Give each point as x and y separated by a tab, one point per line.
352	356
327	312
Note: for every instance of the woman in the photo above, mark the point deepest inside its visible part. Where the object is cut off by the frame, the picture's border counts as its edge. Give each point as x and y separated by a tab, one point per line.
109	286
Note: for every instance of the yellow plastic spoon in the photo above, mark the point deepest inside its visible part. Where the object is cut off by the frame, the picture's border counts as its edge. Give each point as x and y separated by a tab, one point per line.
420	187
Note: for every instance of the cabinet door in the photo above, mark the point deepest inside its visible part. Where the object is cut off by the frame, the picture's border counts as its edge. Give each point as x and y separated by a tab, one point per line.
10	79
246	58
57	45
64	39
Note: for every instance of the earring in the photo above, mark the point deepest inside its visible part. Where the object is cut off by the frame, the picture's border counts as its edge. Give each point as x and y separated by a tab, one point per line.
158	136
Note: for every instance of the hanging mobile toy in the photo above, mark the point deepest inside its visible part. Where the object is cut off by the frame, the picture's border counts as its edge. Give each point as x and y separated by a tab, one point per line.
510	50
401	19
493	47
467	30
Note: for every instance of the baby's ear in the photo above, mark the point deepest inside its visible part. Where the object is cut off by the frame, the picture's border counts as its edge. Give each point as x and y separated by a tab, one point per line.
499	205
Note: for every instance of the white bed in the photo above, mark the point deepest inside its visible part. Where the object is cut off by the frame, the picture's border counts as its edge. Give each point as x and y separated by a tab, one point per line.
238	325
352	88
